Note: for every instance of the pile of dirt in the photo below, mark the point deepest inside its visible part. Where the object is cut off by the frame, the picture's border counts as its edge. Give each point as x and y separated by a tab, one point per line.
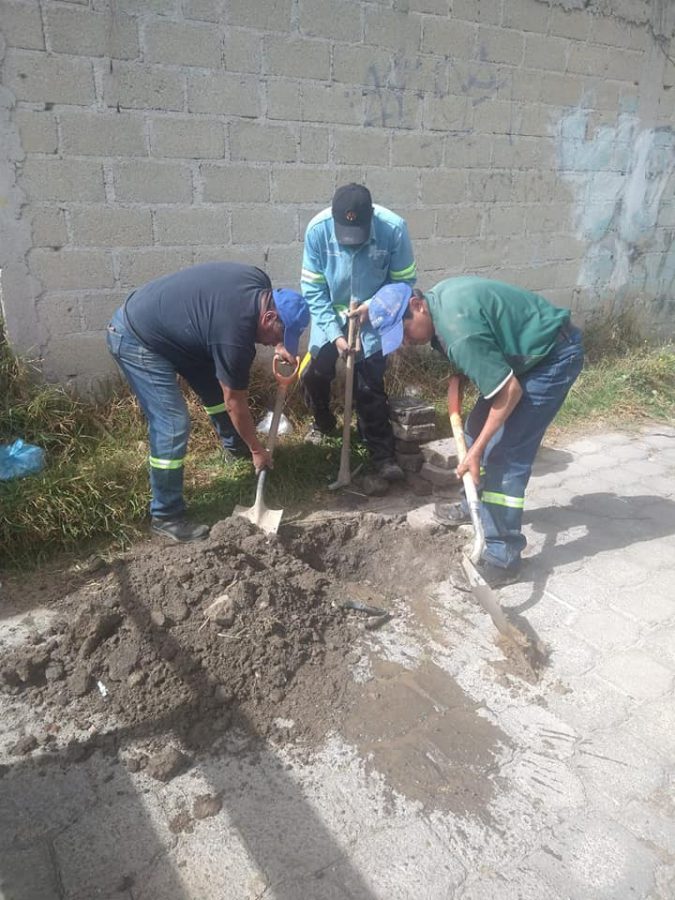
190	638
241	628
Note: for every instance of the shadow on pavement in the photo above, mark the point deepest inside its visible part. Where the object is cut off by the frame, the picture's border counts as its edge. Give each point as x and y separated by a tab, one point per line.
608	521
85	822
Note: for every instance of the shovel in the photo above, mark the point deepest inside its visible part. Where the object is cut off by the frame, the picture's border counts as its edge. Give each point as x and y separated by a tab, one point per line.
269	519
479	587
344	475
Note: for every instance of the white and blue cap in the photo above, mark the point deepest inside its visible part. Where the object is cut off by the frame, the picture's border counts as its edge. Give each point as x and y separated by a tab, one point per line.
386	311
294	312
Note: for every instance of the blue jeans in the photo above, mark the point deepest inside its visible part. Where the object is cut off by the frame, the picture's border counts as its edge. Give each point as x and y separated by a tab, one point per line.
153	380
509	456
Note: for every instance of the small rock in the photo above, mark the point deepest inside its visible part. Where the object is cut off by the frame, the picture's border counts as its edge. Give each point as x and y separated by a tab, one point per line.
136	678
54	672
221	611
276	696
166	764
206	805
132	763
182	821
24	745
158	618
80	682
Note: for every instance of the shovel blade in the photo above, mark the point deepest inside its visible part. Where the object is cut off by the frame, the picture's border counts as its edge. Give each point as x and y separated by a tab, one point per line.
268	520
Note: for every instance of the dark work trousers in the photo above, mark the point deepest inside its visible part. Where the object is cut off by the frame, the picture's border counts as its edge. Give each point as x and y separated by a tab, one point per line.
370	399
509	456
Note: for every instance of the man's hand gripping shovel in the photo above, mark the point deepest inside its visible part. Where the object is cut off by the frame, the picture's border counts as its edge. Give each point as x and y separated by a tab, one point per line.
345	474
479	587
269	519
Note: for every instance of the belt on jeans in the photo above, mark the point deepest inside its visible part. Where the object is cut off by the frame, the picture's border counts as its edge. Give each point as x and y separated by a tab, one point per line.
565	333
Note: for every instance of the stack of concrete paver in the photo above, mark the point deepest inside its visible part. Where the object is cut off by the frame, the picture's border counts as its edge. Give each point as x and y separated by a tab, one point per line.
414	423
440	462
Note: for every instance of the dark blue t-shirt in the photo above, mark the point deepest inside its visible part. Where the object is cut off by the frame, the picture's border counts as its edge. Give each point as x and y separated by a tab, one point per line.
202	318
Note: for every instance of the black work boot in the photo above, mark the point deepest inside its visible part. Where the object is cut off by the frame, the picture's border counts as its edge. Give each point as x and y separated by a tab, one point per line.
179	529
390	470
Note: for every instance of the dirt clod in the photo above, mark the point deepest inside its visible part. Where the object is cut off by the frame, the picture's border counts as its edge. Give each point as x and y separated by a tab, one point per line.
206	805
24	745
166	764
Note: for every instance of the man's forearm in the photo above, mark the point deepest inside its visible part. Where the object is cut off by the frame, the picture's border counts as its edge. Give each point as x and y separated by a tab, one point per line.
242	420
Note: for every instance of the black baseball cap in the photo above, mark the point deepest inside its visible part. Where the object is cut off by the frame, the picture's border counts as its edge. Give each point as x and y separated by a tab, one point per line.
352	214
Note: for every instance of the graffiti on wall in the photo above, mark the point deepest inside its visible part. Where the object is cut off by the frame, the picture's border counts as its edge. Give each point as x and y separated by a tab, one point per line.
622	177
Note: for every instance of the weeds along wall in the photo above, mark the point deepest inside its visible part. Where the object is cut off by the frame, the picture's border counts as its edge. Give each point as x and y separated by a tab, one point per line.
529	141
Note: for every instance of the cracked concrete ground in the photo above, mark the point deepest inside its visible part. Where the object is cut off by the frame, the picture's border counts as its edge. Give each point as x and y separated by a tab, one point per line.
573	795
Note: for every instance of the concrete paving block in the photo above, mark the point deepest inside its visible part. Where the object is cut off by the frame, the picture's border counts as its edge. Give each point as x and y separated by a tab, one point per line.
591	858
589	704
660	644
509	883
616	767
653	604
408	411
419	433
637	674
410	462
439	477
606	630
568	656
541	778
441	453
28	874
422	517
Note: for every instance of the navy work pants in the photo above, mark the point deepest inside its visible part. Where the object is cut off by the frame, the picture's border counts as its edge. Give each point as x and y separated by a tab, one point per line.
508	458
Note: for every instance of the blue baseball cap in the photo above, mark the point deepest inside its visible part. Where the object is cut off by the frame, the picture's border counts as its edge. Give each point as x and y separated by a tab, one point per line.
294	313
386	311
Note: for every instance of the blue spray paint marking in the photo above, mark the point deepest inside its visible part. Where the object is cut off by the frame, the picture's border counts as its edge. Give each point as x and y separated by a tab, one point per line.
620	175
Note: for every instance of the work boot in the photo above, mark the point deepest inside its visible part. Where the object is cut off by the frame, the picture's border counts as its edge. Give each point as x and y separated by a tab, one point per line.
317	437
451	514
496	576
390	470
179	529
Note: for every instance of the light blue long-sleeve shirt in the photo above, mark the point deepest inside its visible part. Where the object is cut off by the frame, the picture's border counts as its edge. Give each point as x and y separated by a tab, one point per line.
333	274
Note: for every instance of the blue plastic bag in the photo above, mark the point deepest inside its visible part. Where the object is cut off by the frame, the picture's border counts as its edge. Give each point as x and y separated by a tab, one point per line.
19	459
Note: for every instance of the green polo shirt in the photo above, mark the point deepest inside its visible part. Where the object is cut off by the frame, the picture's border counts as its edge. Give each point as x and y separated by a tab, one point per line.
491	330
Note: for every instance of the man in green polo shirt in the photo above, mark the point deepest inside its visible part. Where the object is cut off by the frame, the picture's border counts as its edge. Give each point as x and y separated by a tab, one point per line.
523	354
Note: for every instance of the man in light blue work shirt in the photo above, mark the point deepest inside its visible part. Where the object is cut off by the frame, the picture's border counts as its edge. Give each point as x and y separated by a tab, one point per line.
351	250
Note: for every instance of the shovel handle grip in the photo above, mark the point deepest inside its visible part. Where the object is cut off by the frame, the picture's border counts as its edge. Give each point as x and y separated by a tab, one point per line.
280	377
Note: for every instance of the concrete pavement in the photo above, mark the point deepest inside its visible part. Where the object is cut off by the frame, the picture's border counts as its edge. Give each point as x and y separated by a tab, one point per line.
570	797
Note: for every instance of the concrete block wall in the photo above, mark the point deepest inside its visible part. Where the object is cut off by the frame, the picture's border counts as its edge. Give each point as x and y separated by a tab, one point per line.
527	140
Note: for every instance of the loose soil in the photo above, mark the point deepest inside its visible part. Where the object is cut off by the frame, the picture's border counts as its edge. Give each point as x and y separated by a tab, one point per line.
240	629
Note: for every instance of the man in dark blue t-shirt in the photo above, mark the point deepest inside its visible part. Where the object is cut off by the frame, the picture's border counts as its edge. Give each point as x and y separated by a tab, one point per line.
202	323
